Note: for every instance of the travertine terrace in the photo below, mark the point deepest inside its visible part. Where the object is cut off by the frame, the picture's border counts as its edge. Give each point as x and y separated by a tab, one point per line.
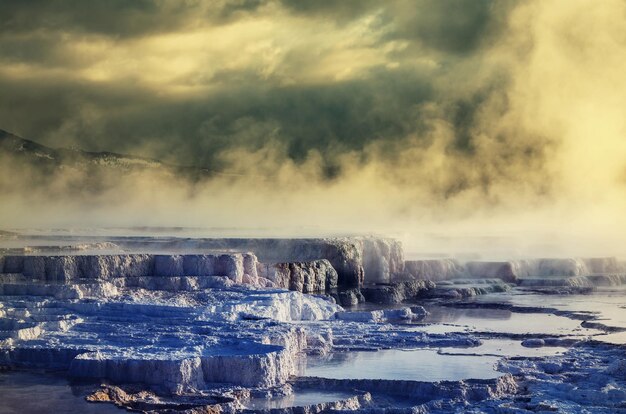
221	324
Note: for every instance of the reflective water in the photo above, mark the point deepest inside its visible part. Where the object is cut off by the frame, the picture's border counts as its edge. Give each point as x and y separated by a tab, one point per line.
505	348
501	321
298	399
608	304
617	338
396	364
28	392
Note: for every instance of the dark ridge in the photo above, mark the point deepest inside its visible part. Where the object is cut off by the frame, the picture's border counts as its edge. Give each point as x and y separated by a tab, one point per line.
49	159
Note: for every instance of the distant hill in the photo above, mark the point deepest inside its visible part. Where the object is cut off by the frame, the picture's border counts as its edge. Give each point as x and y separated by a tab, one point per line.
49	160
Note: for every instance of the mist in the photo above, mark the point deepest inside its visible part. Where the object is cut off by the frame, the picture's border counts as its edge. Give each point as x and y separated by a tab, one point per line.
479	128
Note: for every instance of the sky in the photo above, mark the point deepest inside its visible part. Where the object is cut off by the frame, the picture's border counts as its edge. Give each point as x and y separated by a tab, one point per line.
501	118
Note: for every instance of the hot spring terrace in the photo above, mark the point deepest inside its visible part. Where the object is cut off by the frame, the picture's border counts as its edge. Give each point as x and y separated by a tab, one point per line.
308	325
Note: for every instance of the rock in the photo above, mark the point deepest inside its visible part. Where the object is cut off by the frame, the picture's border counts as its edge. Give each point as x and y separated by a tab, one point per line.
533	343
396	292
306	277
470	391
419	311
490	270
168	265
618	369
444	269
50	268
258	281
346	255
13	264
174	283
381	259
231	266
512	271
109	266
465	288
61	268
250	265
69	267
604	265
269	366
34	267
199	265
278	273
350	297
556	267
379	316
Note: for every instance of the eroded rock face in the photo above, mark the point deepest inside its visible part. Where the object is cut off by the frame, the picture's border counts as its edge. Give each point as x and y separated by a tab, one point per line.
506	271
344	254
443	269
104	267
349	297
471	390
231	266
513	270
396	292
168	265
306	277
182	333
413	313
178	283
188	322
351	257
199	265
355	259
603	265
71	267
271	366
135	399
466	288
590	281
13	264
382	258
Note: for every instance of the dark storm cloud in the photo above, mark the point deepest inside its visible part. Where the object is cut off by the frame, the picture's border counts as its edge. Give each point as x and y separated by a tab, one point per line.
339	117
348	113
450	26
328	118
338	10
116	18
381	104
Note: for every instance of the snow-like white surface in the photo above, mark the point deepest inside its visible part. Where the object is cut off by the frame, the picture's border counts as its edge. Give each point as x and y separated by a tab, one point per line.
183	323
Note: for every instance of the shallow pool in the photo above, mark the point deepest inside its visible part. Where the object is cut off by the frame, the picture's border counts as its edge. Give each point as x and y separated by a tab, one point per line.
396	364
506	348
297	399
607	304
503	321
32	392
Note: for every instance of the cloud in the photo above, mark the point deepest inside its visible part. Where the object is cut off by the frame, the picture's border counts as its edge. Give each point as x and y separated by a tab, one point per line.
117	18
192	89
402	113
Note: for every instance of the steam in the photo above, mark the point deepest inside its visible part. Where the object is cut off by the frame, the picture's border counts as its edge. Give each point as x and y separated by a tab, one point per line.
515	139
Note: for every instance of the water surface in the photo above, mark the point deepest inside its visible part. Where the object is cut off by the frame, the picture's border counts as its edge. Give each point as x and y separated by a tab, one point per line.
31	392
506	348
397	364
297	399
502	321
